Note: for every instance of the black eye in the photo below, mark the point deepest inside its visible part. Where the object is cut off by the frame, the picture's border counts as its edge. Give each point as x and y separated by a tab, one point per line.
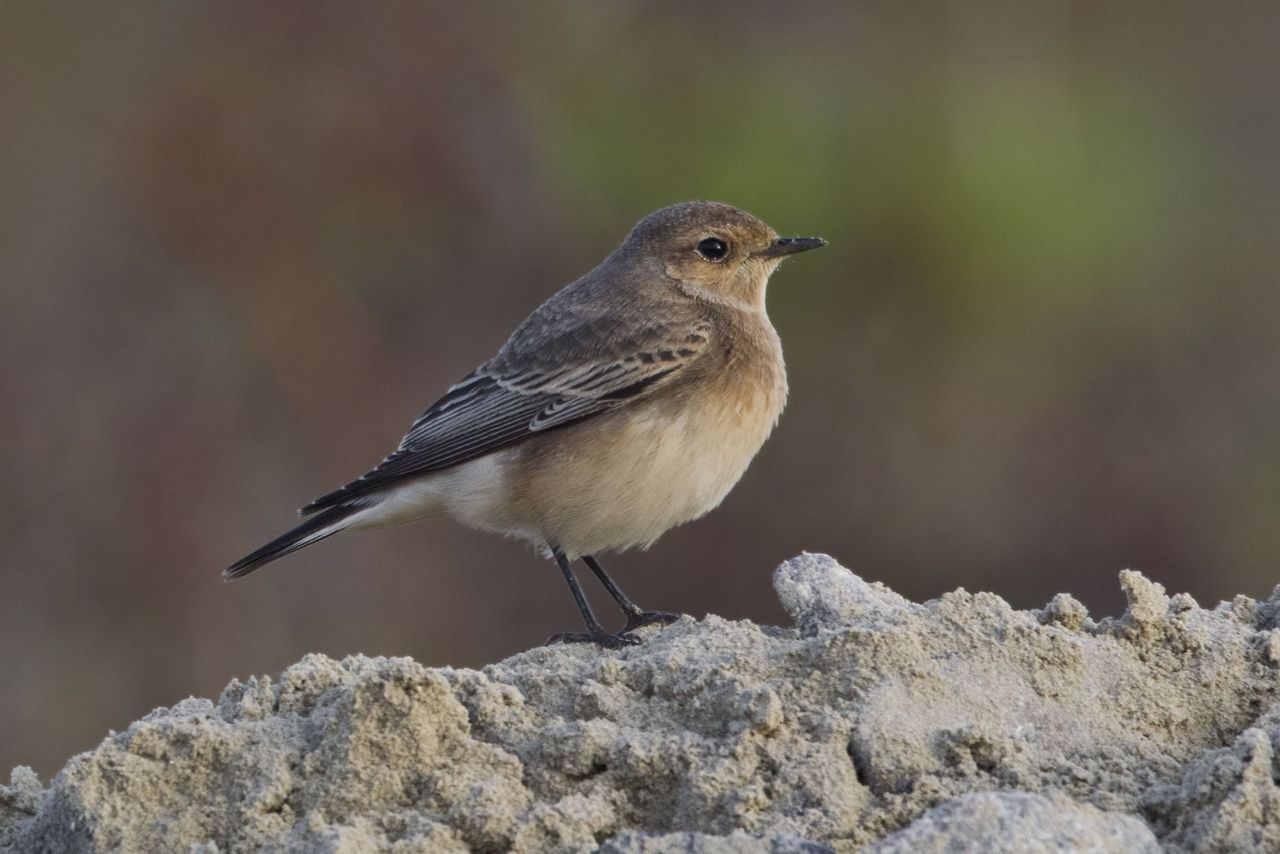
713	249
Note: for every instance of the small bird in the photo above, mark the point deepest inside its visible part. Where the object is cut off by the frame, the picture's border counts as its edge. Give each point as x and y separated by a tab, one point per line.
628	403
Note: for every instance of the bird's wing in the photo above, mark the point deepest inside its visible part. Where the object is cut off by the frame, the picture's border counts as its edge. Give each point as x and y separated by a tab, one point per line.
511	398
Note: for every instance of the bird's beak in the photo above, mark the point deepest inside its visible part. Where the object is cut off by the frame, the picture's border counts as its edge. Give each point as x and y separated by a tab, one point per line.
790	246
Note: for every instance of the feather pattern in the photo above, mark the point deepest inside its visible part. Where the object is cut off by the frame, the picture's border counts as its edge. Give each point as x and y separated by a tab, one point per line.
517	395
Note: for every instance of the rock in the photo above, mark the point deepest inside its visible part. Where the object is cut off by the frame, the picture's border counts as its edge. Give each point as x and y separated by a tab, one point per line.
631	842
19	801
819	593
1065	610
874	721
1019	823
1226	799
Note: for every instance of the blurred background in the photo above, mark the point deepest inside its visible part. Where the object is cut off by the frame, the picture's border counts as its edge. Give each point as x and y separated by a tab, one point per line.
243	245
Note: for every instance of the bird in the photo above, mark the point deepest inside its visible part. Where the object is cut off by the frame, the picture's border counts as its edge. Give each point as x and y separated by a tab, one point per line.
628	403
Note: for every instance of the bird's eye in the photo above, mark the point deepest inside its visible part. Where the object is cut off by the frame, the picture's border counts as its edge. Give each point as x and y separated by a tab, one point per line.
713	249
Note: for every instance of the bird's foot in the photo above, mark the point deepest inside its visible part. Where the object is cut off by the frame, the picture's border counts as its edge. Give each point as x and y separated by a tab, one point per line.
600	637
640	619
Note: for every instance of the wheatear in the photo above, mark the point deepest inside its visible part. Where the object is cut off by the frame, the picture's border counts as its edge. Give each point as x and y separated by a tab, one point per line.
630	402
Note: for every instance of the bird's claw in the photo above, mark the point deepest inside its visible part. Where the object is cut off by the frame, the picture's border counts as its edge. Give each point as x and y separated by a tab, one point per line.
640	619
602	638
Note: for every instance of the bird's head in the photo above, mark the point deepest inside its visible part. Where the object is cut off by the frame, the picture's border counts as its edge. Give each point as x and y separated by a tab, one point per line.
713	250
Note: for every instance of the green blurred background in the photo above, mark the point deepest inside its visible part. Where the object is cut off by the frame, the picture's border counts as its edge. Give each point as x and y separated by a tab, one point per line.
243	245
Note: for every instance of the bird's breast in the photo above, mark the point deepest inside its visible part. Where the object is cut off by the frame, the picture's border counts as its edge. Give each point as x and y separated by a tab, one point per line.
622	479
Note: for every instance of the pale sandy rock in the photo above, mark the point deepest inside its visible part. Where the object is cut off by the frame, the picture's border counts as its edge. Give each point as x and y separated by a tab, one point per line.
19	800
632	842
872	716
1226	799
1019	823
818	593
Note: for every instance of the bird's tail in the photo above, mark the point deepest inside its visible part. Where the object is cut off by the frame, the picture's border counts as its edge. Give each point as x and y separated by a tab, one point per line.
314	529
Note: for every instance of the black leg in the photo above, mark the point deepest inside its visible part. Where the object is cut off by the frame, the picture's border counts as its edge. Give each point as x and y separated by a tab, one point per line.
635	617
595	633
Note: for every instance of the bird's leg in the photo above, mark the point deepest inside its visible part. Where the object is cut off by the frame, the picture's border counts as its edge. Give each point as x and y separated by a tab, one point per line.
635	616
595	632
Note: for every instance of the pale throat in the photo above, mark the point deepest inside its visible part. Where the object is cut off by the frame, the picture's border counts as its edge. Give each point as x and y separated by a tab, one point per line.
749	298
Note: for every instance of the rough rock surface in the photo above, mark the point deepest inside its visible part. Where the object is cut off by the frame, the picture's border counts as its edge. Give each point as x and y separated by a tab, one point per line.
958	724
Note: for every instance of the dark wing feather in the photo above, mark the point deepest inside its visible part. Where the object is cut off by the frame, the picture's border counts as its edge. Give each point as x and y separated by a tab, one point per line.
491	409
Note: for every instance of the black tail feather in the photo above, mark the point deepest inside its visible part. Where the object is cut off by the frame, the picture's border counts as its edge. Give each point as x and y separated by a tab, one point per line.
292	540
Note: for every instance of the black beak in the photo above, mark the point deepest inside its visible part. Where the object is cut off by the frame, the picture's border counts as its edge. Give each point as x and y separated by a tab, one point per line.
790	246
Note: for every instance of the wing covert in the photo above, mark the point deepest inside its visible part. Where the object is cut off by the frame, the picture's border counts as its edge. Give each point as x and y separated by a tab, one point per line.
495	406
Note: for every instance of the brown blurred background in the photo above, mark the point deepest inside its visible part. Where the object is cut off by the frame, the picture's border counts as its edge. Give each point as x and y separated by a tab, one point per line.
243	245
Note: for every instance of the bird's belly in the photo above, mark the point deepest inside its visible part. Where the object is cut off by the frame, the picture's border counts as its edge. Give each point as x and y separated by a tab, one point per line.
622	480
